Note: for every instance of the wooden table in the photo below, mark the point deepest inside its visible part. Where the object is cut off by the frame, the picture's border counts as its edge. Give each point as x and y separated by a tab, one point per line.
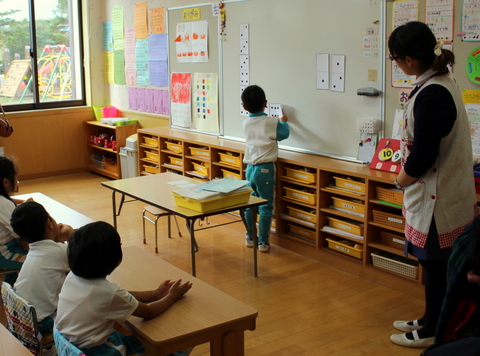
9	345
156	190
61	213
204	314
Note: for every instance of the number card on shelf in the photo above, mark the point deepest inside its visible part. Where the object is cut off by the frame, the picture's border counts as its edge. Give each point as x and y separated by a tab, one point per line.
387	157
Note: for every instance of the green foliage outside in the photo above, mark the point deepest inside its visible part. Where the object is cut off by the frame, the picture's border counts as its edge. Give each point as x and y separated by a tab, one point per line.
15	35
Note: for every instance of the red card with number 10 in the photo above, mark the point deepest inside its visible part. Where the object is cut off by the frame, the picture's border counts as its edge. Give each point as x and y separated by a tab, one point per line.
387	156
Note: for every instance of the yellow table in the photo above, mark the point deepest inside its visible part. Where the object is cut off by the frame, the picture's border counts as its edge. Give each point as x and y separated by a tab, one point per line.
156	190
204	314
9	345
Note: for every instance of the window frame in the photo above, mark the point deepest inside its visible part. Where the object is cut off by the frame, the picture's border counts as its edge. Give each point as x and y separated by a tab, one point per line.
79	41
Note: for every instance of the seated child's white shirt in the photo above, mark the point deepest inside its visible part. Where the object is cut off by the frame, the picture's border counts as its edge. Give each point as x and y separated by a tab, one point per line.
88	308
42	275
6	232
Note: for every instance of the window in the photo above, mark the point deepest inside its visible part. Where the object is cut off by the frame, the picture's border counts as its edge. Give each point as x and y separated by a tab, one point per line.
44	37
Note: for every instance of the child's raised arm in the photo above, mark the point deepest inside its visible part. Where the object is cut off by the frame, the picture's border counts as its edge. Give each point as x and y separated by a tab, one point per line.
153	303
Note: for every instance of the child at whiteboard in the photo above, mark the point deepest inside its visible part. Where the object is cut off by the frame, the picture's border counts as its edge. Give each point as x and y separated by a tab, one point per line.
262	134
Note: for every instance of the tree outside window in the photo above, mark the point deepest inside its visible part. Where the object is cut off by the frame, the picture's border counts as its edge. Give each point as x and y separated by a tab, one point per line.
43	37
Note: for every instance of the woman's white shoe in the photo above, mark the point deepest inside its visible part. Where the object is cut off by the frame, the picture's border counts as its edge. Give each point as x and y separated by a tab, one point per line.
401	339
403	325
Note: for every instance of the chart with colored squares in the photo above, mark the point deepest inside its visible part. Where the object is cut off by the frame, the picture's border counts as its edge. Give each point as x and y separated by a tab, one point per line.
205	95
205	105
388	156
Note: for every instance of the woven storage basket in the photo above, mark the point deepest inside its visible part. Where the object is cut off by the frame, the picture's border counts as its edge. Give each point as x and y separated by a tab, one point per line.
395	264
389	219
389	195
392	240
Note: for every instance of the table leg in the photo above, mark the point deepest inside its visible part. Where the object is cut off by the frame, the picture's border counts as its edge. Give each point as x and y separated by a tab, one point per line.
253	211
231	344
193	243
114	207
252	234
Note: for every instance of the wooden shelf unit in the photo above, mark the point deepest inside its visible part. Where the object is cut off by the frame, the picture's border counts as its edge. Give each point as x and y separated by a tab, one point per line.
194	155
121	134
310	201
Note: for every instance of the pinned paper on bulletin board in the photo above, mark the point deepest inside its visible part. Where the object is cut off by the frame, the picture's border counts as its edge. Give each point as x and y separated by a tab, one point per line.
388	156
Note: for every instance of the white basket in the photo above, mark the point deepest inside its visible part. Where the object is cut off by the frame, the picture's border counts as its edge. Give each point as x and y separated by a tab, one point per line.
368	125
395	264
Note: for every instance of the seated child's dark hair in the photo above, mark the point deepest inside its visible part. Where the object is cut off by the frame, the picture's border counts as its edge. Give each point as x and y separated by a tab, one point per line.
28	221
253	98
94	250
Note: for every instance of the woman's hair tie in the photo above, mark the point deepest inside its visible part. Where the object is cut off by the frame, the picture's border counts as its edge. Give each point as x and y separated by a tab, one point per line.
438	49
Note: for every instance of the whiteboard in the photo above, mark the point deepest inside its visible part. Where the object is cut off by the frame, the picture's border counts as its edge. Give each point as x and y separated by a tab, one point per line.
285	37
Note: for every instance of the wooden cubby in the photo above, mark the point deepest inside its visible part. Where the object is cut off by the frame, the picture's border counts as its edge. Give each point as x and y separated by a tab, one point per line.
121	133
309	191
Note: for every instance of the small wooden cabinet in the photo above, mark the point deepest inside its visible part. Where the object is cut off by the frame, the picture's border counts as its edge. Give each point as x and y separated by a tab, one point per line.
101	157
341	213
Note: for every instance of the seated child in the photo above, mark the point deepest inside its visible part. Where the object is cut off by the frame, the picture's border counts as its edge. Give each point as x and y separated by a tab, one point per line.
89	305
46	266
12	253
460	315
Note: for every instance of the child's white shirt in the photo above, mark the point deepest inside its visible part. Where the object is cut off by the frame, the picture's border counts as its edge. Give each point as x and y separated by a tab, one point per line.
6	232
42	275
88	308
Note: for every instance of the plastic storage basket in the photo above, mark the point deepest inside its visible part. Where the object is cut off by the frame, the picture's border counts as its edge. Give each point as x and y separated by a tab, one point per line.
391	195
392	240
346	247
150	141
230	159
388	219
301	175
396	264
350	184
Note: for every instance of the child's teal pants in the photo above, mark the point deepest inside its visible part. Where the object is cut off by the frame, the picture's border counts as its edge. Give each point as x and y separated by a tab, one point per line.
262	181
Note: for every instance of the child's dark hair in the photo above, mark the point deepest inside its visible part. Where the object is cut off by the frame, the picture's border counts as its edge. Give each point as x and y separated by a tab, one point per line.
253	98
94	250
416	40
28	221
8	170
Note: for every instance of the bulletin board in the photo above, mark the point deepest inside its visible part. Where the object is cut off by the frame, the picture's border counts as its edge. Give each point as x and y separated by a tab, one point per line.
461	49
285	37
214	63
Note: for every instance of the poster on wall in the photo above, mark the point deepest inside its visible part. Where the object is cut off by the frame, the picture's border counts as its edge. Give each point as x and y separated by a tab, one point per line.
439	17
191	42
205	101
404	11
400	79
180	100
471	20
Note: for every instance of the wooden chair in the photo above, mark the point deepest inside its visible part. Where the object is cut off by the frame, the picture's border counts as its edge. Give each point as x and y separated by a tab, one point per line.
22	321
152	214
65	347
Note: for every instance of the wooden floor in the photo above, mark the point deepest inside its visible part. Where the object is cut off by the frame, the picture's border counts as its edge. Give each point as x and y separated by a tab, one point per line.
305	307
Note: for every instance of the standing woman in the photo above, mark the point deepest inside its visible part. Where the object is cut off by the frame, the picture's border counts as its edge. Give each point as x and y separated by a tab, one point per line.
437	172
12	253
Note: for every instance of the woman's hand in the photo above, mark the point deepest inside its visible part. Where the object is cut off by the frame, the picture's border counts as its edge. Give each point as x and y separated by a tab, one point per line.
473	278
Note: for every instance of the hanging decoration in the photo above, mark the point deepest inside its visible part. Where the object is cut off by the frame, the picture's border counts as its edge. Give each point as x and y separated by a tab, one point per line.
223	20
